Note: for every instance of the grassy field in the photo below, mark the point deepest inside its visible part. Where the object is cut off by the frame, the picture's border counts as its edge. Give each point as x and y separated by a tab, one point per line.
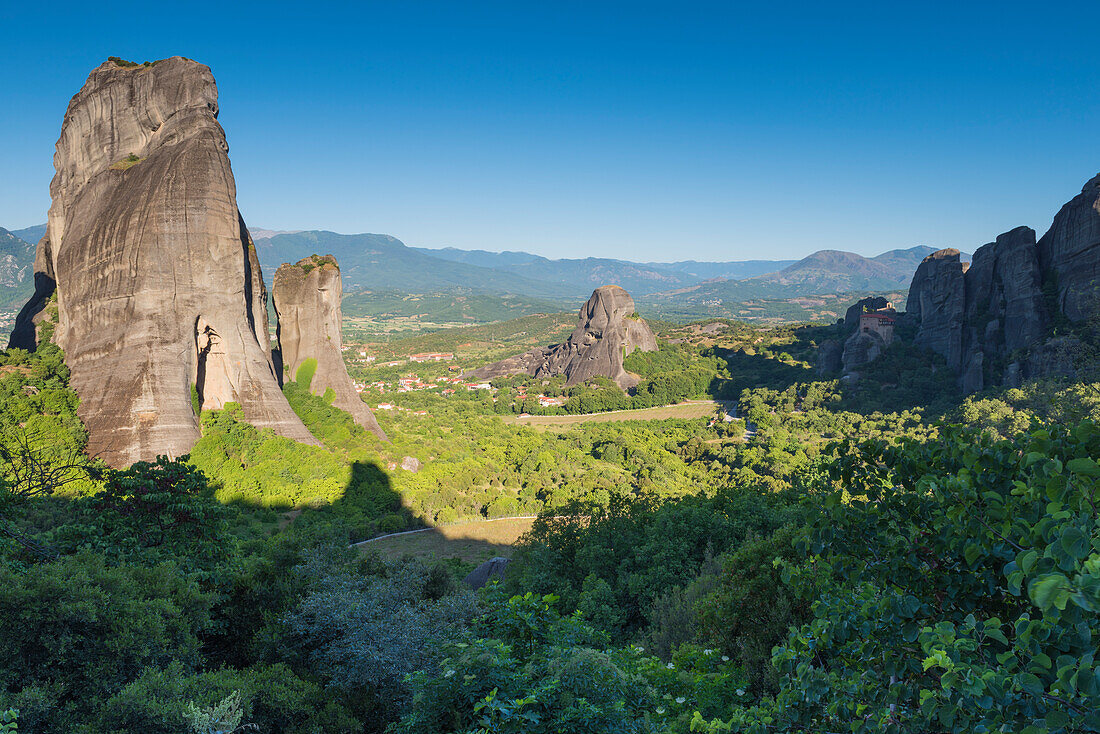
471	542
691	409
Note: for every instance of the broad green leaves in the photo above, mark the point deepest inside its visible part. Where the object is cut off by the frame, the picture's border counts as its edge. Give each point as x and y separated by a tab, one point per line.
971	592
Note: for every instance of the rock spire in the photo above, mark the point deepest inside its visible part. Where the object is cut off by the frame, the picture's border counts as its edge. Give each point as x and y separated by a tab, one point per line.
158	286
608	329
307	300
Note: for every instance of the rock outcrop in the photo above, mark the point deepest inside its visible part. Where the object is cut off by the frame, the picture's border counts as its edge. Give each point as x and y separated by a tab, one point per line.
830	357
860	349
158	286
871	303
991	321
494	568
608	330
937	300
307	301
1070	253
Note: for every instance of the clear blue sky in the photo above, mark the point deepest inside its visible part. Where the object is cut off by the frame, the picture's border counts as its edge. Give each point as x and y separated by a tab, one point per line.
654	131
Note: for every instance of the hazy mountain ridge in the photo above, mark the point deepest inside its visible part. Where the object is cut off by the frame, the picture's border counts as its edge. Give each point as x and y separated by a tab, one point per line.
585	273
382	262
385	265
822	272
30	234
733	270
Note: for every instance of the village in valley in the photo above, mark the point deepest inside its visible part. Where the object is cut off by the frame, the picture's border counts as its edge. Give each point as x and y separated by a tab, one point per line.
437	372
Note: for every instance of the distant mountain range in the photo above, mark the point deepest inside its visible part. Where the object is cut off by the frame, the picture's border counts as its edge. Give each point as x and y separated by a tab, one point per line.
30	234
385	266
820	273
381	262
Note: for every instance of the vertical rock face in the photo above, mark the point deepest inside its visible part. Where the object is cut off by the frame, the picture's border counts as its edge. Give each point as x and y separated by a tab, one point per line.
937	297
1004	295
158	286
608	330
307	301
992	321
1070	252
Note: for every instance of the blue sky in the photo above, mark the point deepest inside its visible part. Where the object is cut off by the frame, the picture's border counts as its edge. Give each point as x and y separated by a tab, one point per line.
647	131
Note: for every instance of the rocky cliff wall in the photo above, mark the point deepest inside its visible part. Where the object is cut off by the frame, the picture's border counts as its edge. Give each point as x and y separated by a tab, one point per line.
158	285
1069	254
991	321
307	301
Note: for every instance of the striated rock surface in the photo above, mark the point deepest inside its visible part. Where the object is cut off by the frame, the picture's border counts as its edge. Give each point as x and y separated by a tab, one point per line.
307	301
1070	253
830	357
1004	294
992	321
608	330
937	299
158	285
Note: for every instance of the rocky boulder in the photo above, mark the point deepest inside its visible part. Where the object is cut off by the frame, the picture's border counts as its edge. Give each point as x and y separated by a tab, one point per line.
608	330
860	349
494	568
830	357
158	286
307	298
991	322
1004	295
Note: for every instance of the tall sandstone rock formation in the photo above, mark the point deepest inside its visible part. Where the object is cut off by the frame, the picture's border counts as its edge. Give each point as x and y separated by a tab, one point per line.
158	285
937	298
1069	252
608	329
307	301
991	321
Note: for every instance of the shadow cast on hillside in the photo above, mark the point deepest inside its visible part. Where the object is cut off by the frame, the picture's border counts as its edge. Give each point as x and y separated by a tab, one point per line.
903	377
377	520
369	508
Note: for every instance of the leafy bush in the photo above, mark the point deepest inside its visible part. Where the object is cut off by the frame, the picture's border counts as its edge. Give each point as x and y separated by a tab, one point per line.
525	669
306	370
273	698
77	630
369	629
966	586
638	550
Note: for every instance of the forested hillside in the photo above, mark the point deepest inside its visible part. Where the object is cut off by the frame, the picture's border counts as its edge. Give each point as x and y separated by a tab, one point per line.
883	556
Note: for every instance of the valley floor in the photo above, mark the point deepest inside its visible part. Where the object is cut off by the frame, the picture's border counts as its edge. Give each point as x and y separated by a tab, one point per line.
688	409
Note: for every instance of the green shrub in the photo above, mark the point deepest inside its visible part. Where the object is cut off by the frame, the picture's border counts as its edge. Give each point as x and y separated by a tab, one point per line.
306	370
